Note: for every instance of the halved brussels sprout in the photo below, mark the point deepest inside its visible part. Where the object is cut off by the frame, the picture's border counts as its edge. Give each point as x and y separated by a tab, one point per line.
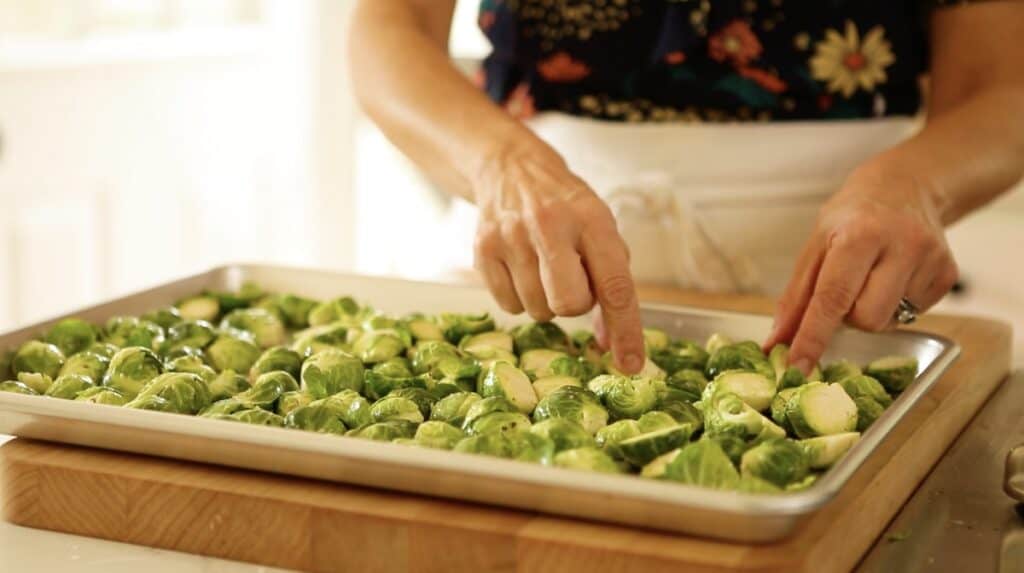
318	416
227	384
587	459
497	422
487	356
544	386
290	401
779	359
423	329
68	386
437	434
230	353
565	434
266	327
654	421
224	407
755	389
453	408
680	356
803	484
131	368
658	467
683	413
505	380
780	406
102	395
331	371
609	436
575	404
188	334
819	409
840	370
378	346
586	346
641	449
293	309
386	377
258	417
655	339
422	397
40	383
868	411
203	307
495	339
86	363
355	410
36	356
267	390
752	484
716	341
277	358
894	372
151	402
625	397
522	446
332	336
395	408
650	369
779	461
689	382
71	336
104	349
739	356
164	317
702	463
791	378
457	326
124	331
187	393
16	387
541	362
540	335
725	414
191	364
385	431
333	310
824	451
860	386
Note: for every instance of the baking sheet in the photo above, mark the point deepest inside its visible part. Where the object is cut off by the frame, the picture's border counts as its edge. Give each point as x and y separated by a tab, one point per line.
620	499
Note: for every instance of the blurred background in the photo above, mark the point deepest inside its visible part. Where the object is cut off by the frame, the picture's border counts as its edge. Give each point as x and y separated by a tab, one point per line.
141	140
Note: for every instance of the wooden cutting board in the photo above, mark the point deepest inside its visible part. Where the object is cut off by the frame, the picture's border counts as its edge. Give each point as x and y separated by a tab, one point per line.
319	526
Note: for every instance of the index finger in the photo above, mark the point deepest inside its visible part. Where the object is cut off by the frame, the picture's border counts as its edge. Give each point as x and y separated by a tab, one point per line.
607	263
840	281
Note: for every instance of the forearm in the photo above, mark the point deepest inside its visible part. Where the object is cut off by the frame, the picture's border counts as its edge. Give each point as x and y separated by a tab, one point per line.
406	83
965	156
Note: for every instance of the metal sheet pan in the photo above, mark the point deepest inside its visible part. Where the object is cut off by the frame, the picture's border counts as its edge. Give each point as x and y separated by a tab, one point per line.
620	499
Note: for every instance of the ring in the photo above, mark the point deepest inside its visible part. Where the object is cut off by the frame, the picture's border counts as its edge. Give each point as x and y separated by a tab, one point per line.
906	313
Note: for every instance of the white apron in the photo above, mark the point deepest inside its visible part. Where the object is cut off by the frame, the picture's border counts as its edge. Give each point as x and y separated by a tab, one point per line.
712	207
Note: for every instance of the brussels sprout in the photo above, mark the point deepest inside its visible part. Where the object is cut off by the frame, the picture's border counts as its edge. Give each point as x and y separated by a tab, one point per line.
494	339
292	309
680	356
803	484
71	336
717	341
187	393
192	334
779	461
377	346
102	395
497	422
457	326
587	459
227	384
333	336
258	417
442	360
755	389
203	307
565	434
266	327
332	310
68	386
386	377
277	358
575	404
420	396
6	357
868	411
650	369
541	362
225	407
395	408
752	484
486	356
16	387
453	408
355	410
779	359
625	397
641	449
587	347
230	353
860	386
688	381
780	406
437	434
191	364
683	413
655	339
503	379
739	356
40	383
815	375
725	414
104	349
515	445
330	372
791	378
702	463
609	436
824	451
289	401
423	329
36	356
86	363
165	318
840	370
819	409
267	390
894	372
131	368
657	468
124	331
318	416
540	335
151	402
544	386
445	386
654	421
385	431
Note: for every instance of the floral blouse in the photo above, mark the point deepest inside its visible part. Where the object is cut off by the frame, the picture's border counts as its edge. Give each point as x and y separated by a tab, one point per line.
707	60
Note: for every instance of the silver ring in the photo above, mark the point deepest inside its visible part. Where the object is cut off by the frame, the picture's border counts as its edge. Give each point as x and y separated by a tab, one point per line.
906	313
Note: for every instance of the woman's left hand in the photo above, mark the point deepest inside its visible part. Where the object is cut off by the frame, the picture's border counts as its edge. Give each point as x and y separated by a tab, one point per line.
877	240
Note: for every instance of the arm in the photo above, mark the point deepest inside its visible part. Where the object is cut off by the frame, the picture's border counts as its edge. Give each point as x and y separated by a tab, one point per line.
545	242
881	236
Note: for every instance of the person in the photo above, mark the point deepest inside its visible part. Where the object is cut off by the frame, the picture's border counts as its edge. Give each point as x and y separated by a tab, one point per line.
814	150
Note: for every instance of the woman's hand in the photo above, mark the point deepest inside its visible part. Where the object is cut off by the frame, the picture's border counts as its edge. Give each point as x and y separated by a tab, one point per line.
879	239
548	244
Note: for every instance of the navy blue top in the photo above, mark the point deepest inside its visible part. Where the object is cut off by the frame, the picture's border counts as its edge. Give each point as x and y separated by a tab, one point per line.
707	60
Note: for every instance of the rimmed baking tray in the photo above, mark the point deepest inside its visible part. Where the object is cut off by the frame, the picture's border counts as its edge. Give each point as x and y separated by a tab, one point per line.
619	499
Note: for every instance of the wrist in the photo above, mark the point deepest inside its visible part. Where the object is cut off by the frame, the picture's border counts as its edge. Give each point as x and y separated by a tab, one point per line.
898	179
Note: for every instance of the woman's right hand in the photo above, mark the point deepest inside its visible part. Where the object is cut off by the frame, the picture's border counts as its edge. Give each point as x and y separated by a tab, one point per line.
547	244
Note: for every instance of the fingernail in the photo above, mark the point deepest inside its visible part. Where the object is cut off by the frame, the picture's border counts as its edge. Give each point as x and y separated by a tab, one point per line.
803	365
632	363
